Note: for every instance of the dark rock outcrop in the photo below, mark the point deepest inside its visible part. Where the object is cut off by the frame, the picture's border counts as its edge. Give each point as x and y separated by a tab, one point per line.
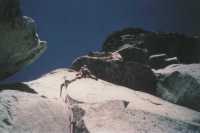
180	84
9	10
130	74
134	54
185	48
130	36
161	61
157	61
19	42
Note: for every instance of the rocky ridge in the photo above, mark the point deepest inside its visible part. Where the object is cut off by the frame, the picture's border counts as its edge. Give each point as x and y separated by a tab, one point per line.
134	92
129	74
172	44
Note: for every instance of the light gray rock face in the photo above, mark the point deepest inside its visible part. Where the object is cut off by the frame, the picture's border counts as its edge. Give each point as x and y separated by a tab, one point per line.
23	112
19	42
180	84
102	107
118	117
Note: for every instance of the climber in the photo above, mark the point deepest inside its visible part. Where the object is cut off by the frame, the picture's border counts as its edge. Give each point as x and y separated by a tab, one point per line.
65	84
84	72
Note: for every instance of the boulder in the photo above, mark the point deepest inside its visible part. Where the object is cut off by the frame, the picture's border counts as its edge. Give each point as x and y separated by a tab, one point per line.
130	74
23	112
19	42
102	107
180	84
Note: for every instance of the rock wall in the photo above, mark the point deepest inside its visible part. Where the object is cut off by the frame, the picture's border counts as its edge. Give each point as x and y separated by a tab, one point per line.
102	107
19	43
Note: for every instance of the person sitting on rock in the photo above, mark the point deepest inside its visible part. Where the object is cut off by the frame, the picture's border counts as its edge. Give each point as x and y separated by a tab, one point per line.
64	84
84	72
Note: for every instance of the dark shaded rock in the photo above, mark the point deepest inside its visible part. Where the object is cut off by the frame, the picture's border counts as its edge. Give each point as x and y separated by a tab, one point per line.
170	61
107	56
99	54
130	53
79	125
19	42
129	74
185	48
17	86
180	84
9	10
131	36
161	60
157	61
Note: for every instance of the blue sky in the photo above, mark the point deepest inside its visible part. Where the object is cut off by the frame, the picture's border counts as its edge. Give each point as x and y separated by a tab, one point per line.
75	27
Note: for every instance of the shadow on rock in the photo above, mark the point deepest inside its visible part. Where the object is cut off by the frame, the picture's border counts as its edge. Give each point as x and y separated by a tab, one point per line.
17	86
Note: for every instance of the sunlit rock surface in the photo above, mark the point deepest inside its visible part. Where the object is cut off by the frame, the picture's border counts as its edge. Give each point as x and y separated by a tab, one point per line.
19	42
117	117
99	106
